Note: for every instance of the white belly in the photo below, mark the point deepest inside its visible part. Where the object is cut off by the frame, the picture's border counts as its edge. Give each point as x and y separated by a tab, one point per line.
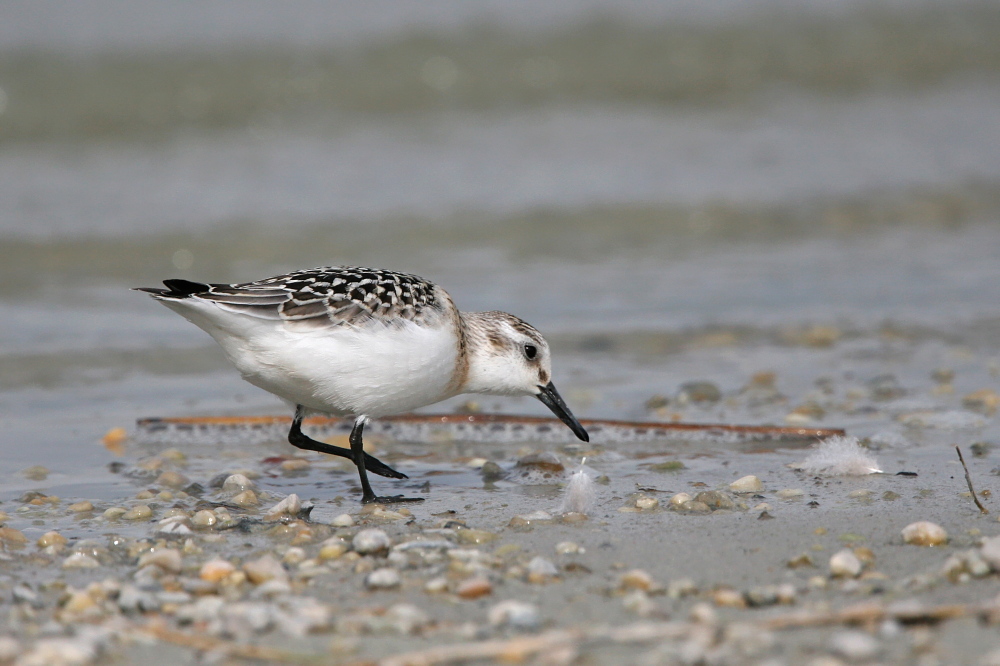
376	370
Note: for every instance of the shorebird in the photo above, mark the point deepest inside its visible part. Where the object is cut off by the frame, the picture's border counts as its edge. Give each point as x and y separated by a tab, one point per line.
364	343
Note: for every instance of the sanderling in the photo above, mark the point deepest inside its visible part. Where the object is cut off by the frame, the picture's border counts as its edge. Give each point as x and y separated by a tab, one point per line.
365	343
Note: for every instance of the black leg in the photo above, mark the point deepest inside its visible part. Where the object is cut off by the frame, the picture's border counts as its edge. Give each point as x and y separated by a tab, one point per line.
300	441
360	460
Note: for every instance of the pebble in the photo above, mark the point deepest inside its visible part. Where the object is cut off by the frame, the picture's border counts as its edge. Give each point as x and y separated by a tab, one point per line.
236	483
332	549
698	392
35	473
295	465
168	559
216	570
638	602
204	518
54	539
81	507
845	564
343	520
790	493
714	499
856	646
636	579
569	548
682	587
383	579
245	499
990	552
747	484
541	570
406	619
647	503
172	479
986	401
264	569
530	519
925	533
289	506
473	588
518	615
729	598
371	541
679	499
141	512
694	507
475	537
80	561
436	585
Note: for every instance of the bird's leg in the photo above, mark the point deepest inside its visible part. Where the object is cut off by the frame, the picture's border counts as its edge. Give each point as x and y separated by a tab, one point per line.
357	447
300	441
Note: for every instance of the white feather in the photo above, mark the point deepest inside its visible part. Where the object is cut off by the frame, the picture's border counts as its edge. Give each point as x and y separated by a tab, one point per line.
840	456
579	493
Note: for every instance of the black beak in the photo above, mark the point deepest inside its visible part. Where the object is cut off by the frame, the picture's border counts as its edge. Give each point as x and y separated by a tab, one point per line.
550	396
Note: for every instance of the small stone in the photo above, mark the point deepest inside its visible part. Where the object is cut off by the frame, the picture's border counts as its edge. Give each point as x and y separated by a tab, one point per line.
371	541
114	513
698	392
715	499
289	506
985	401
790	493
694	507
295	465
237	483
245	499
747	484
636	579
172	479
990	552
141	512
216	570
53	539
679	499
855	646
638	602
541	570
332	549
473	588
531	519
861	493
35	473
264	569
845	564
568	548
515	614
728	598
436	585
647	503
682	587
168	559
79	602
492	472
383	579
81	507
924	533
343	520
80	561
803	560
475	537
204	518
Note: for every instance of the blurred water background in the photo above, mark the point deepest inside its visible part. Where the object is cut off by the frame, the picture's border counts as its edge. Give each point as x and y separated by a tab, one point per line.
637	179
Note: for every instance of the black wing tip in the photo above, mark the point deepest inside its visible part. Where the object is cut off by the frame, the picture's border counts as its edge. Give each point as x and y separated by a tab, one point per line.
176	288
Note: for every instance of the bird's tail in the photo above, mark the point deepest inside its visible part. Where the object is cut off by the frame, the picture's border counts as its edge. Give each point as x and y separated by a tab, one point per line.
176	289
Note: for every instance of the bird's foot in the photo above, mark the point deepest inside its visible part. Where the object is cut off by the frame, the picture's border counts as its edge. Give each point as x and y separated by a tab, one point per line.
393	499
376	466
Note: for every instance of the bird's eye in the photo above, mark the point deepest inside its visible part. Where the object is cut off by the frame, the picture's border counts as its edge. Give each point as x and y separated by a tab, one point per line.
531	351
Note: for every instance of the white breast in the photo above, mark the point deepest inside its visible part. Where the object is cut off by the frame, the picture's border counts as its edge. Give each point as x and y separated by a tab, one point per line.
375	370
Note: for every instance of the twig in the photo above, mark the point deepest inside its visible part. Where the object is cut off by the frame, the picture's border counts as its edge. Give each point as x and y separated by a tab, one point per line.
968	479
